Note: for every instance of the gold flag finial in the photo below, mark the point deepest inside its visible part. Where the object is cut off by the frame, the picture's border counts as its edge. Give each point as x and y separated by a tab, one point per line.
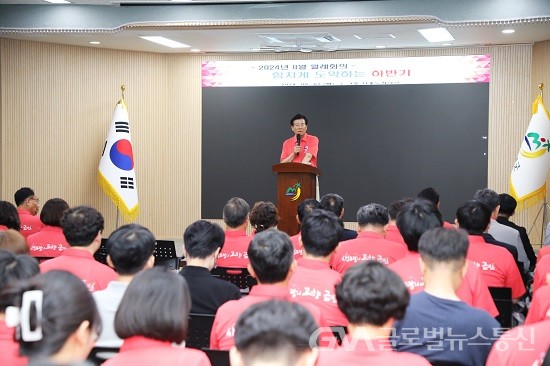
123	89
541	86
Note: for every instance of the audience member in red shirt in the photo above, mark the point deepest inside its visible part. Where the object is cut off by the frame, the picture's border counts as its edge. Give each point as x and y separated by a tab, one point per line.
392	232
335	203
305	207
12	241
314	280
372	297
542	273
430	194
416	218
496	264
540	306
542	252
50	241
370	243
235	216
274	332
152	319
82	227
263	216
9	217
28	205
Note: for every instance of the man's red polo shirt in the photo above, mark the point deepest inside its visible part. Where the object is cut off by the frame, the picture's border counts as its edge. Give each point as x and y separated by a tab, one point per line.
234	252
48	242
298	251
393	234
309	144
30	224
542	268
540	306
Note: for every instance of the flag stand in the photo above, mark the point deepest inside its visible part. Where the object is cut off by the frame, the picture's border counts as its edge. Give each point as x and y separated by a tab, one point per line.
544	210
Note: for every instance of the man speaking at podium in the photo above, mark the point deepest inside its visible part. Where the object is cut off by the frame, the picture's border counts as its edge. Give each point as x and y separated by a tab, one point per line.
301	148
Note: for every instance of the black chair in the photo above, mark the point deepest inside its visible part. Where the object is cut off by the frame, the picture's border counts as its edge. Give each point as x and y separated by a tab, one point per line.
217	357
165	254
198	333
339	332
98	355
237	276
502	296
101	254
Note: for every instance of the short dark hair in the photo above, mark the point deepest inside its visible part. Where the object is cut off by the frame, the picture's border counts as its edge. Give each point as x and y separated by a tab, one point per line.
372	214
235	212
271	254
441	245
61	291
429	194
263	216
22	194
508	204
415	218
474	217
81	224
52	211
12	241
155	305
395	207
371	293
306	206
332	202
9	216
274	330
13	268
202	238
129	247
488	197
321	232
298	116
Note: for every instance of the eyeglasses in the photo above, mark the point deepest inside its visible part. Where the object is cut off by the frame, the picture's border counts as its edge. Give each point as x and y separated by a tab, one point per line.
299	125
35	199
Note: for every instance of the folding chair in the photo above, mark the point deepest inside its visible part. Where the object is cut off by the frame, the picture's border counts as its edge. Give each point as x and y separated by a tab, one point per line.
165	254
98	355
217	357
502	296
101	254
339	332
237	276
198	333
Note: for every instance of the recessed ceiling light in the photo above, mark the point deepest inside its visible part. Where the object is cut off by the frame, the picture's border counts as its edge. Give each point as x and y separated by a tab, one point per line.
255	49
508	31
356	36
165	41
57	1
194	50
381	46
446	44
436	34
392	36
95	42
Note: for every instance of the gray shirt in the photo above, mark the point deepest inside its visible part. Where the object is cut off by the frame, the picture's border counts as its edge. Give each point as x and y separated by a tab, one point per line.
107	301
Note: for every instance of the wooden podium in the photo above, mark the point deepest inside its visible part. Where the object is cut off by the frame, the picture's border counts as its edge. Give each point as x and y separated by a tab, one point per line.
295	183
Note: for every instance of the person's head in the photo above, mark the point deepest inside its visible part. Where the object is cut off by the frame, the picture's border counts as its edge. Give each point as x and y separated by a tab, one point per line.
298	124
130	249
263	216
274	332
372	294
429	194
9	216
305	207
508	205
235	212
415	218
489	198
52	211
82	226
12	241
395	207
372	216
13	268
271	256
474	217
203	240
334	203
67	323
321	233
156	305
26	198
443	252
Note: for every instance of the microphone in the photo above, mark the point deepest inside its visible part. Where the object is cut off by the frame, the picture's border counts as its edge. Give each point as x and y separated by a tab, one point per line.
298	138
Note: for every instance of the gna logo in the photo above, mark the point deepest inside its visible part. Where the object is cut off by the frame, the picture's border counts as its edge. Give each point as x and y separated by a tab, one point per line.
295	191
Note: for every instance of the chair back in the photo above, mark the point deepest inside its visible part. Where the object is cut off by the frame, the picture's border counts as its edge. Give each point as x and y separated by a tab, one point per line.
217	357
237	276
165	254
502	296
198	333
101	254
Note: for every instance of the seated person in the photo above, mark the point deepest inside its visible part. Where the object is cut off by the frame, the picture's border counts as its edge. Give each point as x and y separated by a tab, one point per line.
305	207
335	203
542	273
313	281
235	216
152	320
49	241
274	332
430	194
61	331
28	205
437	324
12	241
370	243
202	244
9	218
392	232
372	297
263	216
82	227
130	250
540	306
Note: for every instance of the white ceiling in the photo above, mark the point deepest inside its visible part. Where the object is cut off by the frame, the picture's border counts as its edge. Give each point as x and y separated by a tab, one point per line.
221	36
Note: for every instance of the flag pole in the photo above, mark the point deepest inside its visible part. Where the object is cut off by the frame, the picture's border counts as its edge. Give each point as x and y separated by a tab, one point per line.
545	202
122	90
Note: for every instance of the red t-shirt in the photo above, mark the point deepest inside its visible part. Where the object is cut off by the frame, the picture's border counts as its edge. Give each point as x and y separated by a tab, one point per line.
298	251
3	228
138	350
367	246
541	270
473	290
393	234
30	224
540	306
543	251
375	352
309	144
523	345
234	252
314	282
48	242
9	349
81	263
496	264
